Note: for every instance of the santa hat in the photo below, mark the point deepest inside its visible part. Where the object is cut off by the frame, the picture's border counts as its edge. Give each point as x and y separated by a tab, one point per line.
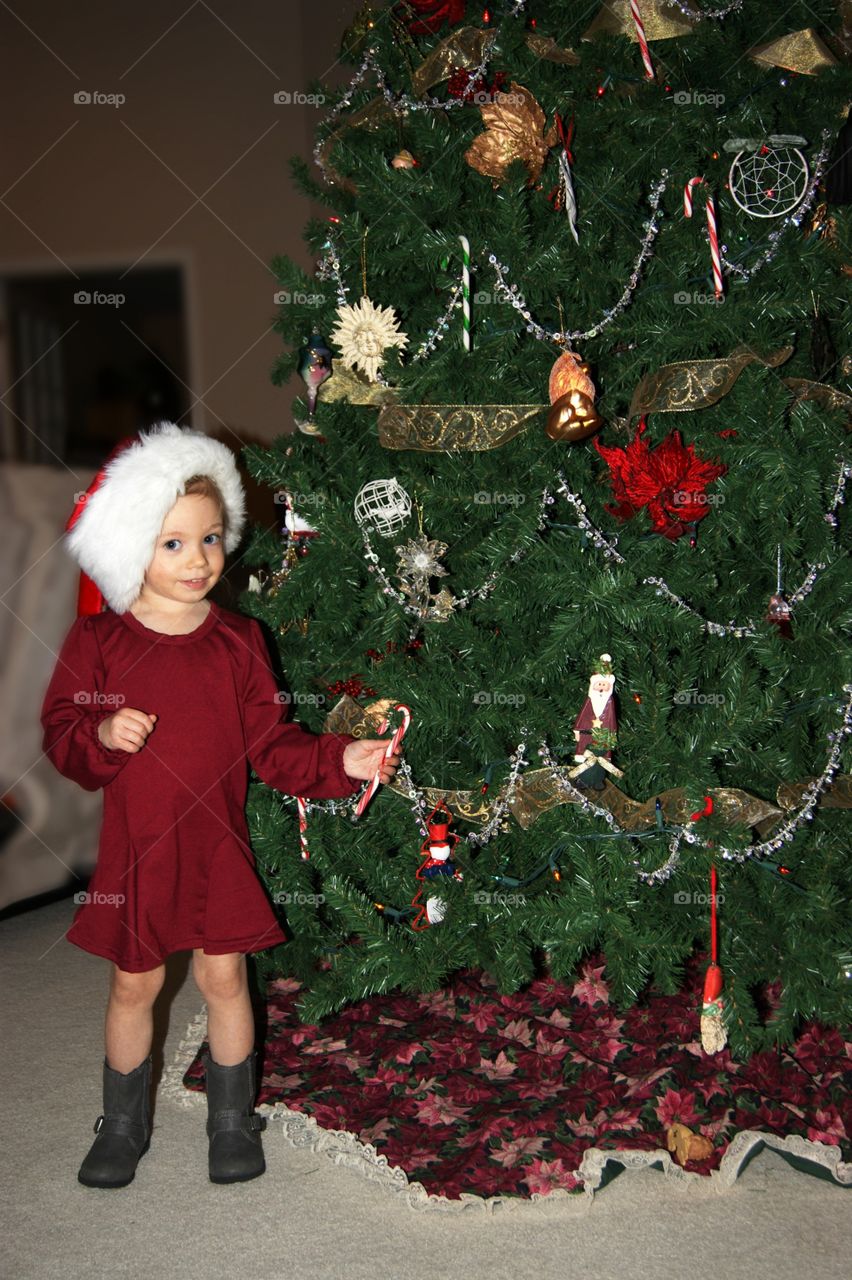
603	666
113	530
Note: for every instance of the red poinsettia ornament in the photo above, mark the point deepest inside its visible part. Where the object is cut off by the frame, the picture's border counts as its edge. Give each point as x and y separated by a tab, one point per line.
433	14
670	481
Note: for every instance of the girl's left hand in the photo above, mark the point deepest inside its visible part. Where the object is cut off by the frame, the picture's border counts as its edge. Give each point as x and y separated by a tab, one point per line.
362	759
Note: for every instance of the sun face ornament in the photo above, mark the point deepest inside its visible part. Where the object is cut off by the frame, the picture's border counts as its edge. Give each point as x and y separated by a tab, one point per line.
364	333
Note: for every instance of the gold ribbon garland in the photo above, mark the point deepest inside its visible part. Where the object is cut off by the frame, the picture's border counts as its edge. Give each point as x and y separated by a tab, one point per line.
800	51
448	428
538	790
696	384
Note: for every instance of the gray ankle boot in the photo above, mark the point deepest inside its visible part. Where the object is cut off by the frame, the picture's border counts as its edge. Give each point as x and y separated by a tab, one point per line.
123	1130
236	1152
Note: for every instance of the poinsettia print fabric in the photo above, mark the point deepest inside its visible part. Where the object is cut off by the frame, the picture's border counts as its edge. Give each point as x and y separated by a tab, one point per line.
473	1092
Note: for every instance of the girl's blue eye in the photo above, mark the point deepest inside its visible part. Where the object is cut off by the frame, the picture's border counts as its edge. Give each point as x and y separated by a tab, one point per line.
171	543
213	535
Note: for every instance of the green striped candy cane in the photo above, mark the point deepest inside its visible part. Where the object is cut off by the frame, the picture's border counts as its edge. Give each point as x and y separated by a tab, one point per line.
465	244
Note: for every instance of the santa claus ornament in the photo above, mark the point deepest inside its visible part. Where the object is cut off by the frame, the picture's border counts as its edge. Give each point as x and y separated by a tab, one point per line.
596	729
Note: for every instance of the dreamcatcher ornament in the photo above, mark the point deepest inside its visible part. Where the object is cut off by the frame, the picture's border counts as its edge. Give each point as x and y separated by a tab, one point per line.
768	177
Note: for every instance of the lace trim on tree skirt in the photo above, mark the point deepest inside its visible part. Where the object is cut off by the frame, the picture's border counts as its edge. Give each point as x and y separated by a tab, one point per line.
346	1149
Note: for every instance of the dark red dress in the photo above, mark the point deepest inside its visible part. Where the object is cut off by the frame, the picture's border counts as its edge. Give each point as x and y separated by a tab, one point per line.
175	869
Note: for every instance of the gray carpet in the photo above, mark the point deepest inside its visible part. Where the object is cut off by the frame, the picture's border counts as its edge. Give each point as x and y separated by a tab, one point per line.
309	1218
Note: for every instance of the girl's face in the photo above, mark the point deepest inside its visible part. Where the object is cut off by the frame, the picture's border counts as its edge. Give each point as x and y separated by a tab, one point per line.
189	558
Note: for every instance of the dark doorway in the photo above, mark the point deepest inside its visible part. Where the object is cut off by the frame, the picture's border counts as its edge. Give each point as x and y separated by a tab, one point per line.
92	360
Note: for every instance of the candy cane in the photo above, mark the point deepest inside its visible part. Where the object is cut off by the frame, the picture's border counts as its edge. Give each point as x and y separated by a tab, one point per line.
301	805
465	244
392	748
712	232
643	43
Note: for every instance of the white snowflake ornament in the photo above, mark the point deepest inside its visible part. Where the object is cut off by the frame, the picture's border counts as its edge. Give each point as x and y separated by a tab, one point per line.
363	334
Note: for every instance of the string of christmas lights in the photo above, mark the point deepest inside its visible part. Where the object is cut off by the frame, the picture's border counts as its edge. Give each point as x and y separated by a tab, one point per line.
504	801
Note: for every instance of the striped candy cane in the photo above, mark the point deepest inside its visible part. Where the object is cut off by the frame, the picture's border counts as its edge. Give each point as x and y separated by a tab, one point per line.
643	43
712	232
302	807
392	748
465	244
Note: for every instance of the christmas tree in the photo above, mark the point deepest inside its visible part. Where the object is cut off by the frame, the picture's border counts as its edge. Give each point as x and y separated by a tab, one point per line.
572	436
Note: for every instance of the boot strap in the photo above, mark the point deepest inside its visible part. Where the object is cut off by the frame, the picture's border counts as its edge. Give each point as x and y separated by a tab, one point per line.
121	1125
224	1121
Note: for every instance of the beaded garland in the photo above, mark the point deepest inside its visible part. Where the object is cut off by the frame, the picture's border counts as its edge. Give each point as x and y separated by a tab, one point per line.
510	293
467	597
661	587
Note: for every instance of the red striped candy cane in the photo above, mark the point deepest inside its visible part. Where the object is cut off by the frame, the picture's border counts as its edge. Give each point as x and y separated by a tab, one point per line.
392	748
643	43
301	805
712	232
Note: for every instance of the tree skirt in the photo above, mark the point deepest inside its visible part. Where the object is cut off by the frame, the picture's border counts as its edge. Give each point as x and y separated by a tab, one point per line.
472	1093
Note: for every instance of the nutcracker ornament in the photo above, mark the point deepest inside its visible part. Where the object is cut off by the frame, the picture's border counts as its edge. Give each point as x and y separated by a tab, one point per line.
596	729
438	847
437	852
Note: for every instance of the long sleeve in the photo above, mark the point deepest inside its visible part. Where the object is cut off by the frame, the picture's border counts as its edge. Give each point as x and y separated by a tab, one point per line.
73	708
286	756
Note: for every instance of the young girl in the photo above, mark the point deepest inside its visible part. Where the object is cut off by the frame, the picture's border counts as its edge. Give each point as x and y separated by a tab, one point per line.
164	702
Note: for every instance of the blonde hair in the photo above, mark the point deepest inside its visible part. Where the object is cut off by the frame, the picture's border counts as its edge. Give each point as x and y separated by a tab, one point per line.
206	487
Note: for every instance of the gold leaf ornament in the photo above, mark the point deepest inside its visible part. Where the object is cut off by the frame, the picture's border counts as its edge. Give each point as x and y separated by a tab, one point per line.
514	130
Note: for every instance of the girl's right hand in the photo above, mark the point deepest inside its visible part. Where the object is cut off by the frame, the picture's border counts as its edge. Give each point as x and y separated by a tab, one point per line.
126	730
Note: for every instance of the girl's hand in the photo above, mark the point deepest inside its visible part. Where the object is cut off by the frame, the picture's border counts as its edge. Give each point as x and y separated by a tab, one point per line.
362	759
126	730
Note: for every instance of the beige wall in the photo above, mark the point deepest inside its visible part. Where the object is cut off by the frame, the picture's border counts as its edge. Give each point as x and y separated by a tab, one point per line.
84	185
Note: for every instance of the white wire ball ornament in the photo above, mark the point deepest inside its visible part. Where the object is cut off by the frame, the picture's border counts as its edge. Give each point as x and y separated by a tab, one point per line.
383	505
768	179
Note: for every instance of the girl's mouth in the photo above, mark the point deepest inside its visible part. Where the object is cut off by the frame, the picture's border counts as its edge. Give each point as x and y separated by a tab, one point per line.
194	584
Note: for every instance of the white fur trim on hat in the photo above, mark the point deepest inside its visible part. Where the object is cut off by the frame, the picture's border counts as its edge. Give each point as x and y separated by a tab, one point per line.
115	536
